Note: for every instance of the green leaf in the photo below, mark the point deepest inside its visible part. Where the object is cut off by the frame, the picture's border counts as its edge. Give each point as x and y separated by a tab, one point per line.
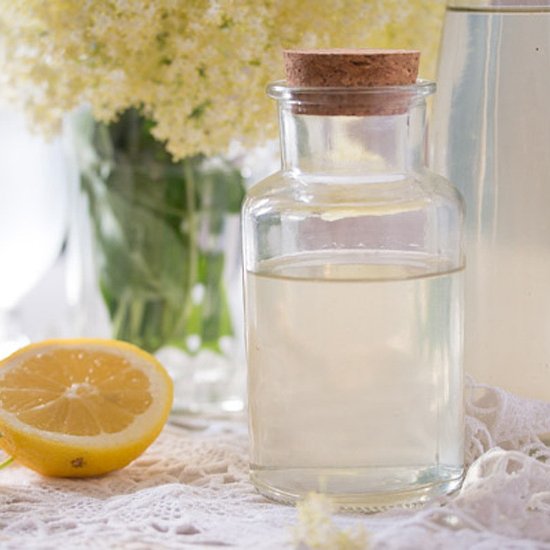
158	227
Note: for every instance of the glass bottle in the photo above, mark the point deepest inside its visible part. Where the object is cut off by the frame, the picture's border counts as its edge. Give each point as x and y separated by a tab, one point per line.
353	291
490	136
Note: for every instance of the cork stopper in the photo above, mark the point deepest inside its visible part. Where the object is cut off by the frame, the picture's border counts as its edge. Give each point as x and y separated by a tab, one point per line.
348	69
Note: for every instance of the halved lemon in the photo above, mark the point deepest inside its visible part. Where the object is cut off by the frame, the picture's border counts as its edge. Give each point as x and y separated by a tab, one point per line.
82	407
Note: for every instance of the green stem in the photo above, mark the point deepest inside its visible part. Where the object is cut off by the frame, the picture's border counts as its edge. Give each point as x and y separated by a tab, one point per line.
190	185
6	462
119	316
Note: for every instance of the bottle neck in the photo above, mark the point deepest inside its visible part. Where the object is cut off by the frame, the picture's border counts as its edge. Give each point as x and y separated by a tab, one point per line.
347	148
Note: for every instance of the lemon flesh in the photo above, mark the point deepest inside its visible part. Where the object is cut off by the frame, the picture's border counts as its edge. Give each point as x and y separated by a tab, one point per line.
83	407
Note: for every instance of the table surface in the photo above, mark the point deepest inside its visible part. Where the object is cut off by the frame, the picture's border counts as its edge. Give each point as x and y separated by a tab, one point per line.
190	489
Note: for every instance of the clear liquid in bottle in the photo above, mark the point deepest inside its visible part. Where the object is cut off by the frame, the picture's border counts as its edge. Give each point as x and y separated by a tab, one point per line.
356	386
490	134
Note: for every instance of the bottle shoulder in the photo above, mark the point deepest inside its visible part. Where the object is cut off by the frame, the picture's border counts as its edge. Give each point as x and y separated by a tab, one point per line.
380	194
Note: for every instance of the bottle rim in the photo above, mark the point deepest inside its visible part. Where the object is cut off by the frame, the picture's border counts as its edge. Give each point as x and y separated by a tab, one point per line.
505	5
281	91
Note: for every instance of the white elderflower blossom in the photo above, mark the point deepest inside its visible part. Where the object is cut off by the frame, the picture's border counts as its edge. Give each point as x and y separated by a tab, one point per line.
316	529
198	70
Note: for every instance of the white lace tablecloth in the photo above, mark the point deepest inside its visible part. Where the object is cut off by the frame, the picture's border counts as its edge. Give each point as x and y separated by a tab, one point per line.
191	490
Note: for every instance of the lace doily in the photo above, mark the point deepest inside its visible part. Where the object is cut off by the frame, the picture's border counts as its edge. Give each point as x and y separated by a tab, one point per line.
191	490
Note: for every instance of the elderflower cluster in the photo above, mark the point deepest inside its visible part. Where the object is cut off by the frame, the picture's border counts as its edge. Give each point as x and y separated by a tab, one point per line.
197	68
316	529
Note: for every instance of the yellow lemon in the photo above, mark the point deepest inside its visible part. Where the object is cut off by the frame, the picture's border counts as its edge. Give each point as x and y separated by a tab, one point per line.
82	407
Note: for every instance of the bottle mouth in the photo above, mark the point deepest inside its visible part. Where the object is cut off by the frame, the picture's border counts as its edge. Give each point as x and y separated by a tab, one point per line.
504	5
351	101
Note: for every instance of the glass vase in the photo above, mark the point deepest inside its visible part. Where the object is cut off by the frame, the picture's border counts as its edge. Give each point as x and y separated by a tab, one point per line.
165	267
35	236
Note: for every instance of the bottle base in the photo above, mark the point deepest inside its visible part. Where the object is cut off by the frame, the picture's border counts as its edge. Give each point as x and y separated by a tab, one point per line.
367	489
